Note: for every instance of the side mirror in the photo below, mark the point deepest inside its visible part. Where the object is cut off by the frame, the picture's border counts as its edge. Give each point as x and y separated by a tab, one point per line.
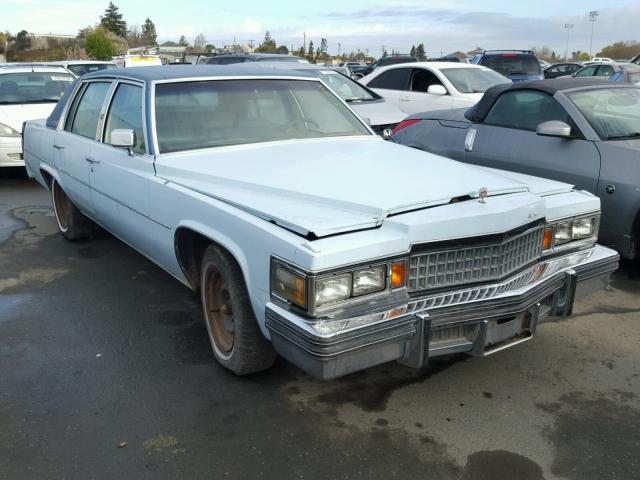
436	90
125	138
554	128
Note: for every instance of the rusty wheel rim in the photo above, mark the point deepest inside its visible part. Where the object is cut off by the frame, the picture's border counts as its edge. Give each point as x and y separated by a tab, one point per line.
219	312
61	207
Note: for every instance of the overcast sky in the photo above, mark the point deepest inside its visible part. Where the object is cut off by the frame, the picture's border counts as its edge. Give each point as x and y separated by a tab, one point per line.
442	25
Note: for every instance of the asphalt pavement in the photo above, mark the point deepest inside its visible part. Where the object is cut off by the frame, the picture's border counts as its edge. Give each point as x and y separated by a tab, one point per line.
106	372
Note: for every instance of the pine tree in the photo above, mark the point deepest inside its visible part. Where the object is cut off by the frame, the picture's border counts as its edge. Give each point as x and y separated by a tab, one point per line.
268	45
413	51
420	53
310	52
112	21
183	41
149	34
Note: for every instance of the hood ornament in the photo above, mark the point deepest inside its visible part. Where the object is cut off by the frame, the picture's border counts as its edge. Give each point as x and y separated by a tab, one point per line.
482	194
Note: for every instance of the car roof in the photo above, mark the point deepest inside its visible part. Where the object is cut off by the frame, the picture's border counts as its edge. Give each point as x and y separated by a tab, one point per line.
28	68
82	62
172	72
479	111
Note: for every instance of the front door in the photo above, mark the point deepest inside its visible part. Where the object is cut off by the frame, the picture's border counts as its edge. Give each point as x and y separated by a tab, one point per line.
507	140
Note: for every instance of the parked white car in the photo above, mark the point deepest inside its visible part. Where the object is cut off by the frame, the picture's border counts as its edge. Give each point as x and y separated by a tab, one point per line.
129	61
27	92
426	86
306	234
381	115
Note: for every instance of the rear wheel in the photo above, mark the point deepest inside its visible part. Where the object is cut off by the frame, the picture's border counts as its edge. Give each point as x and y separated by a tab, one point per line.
71	222
236	339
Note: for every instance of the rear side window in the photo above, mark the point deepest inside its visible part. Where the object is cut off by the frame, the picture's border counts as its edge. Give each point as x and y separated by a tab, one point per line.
125	112
85	111
525	110
396	79
604	71
512	64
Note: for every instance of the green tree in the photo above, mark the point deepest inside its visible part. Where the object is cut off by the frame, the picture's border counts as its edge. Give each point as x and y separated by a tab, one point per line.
413	51
311	52
99	46
149	34
283	50
23	41
183	41
112	21
321	53
268	45
385	53
620	50
420	53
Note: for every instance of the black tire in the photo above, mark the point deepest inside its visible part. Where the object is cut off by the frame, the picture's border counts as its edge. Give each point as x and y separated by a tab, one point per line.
72	223
236	339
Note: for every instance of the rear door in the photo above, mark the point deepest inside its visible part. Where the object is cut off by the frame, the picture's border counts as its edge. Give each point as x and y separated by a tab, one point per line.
391	84
507	139
73	145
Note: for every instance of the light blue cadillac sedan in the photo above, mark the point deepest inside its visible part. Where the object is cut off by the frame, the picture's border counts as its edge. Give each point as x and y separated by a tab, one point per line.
308	235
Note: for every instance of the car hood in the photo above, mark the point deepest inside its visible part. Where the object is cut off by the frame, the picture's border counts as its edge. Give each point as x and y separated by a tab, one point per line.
378	112
15	115
325	186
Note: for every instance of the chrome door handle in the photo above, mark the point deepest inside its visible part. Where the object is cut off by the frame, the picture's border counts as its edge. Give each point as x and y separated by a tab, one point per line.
58	147
91	160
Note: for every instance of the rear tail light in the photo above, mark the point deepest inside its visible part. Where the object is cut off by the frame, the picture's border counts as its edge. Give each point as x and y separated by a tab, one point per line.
404	124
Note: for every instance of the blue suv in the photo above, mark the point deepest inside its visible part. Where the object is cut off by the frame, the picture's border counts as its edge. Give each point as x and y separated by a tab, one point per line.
516	65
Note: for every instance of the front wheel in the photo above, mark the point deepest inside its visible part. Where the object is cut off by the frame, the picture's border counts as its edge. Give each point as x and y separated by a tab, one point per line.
236	339
71	222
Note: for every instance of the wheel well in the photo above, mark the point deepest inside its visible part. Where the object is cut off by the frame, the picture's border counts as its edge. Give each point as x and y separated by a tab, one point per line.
47	178
190	247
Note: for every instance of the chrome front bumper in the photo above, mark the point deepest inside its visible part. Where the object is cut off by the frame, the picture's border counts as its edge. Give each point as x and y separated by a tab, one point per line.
478	320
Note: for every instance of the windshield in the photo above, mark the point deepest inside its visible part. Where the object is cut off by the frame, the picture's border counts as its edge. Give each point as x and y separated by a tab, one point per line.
80	69
192	115
349	90
614	113
473	80
33	87
513	63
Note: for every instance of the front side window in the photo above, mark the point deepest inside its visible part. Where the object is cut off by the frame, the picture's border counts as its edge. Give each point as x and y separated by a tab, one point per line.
422	79
395	79
614	113
33	87
85	111
525	110
216	113
587	71
604	71
473	80
125	112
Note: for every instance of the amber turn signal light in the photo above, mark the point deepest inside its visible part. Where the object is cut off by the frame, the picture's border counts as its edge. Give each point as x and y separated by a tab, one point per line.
397	275
547	238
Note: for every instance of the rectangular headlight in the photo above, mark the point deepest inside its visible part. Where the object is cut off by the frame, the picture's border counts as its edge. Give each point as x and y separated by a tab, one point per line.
333	289
563	232
289	285
369	280
576	229
584	227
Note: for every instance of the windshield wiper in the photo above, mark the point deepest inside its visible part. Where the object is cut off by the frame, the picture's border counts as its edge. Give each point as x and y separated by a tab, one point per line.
353	99
620	137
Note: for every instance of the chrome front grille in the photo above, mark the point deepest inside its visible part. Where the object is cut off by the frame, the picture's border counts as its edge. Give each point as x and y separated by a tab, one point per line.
474	263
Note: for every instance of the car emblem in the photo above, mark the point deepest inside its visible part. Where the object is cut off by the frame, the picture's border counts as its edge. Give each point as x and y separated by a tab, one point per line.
482	194
386	133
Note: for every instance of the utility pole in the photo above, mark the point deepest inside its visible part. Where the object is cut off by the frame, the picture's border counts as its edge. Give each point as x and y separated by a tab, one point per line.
593	16
251	44
569	26
383	48
339	48
304	43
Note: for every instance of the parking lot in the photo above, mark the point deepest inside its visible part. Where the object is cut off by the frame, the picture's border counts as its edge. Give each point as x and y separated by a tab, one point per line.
99	347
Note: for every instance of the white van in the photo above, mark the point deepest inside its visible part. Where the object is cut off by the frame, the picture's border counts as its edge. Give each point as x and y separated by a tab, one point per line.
127	61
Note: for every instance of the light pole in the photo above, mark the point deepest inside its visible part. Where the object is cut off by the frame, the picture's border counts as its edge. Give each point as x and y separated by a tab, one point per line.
568	26
593	16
